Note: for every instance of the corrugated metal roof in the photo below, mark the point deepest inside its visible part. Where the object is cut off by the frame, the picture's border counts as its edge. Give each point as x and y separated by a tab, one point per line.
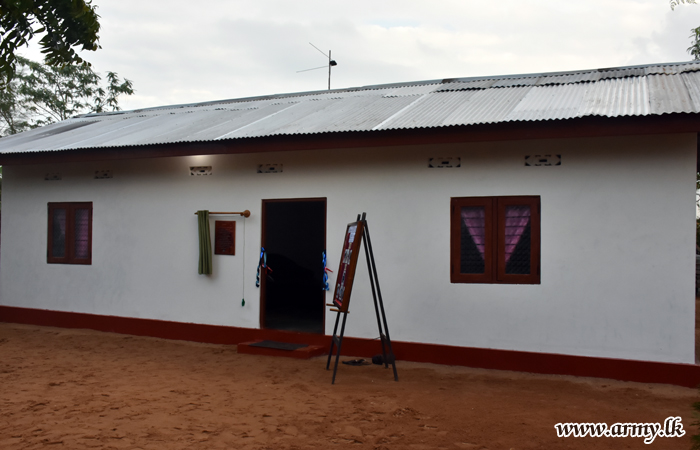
617	97
611	92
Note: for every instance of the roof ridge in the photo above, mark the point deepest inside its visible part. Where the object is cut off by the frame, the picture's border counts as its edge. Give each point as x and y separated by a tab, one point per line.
479	82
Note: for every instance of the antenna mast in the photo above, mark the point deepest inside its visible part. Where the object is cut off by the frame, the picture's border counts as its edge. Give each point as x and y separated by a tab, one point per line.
331	63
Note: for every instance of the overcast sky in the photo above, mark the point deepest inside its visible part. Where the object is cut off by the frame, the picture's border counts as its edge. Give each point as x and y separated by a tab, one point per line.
179	51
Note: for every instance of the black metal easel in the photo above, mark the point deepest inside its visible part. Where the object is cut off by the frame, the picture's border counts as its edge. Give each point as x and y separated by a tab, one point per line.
337	340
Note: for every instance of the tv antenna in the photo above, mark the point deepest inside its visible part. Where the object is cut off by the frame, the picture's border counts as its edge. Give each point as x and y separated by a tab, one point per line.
331	63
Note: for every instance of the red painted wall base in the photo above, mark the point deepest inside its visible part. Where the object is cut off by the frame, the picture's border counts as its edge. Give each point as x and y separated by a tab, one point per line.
687	375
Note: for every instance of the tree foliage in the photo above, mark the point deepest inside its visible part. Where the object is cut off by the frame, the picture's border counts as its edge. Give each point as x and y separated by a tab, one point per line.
694	48
41	94
63	25
14	112
675	3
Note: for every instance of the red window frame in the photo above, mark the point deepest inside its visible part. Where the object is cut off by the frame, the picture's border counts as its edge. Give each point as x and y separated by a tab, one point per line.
494	240
69	252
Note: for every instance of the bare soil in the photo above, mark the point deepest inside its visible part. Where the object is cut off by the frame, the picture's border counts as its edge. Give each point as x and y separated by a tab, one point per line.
80	389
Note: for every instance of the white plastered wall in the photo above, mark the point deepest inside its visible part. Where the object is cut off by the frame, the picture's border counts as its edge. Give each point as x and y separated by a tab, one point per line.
617	277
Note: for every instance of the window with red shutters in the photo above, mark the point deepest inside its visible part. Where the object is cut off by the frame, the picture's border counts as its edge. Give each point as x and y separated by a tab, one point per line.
495	240
70	233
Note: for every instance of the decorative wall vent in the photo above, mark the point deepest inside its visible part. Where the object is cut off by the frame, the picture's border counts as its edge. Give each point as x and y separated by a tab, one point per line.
200	170
52	176
543	160
443	163
102	174
270	168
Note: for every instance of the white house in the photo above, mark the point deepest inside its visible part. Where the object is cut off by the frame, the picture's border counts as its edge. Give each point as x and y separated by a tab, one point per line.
540	222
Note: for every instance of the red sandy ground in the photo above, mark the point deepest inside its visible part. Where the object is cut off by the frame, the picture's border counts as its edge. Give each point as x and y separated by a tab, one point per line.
78	389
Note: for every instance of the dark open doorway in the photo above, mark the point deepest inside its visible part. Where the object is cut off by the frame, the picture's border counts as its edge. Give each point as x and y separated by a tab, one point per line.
294	237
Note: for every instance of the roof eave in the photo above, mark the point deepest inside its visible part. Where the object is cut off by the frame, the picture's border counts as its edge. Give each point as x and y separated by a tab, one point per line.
504	131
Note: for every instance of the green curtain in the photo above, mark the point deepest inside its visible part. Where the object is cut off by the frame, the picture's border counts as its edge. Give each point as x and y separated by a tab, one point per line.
204	243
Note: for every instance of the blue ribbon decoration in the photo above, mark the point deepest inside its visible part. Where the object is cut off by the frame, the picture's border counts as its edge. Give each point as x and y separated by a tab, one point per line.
262	262
325	274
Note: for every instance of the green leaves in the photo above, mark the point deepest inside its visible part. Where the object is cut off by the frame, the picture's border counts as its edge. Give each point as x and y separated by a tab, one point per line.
675	3
39	95
107	100
694	48
64	24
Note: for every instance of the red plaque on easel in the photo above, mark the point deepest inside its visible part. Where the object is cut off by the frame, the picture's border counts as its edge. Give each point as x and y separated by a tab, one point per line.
356	233
348	263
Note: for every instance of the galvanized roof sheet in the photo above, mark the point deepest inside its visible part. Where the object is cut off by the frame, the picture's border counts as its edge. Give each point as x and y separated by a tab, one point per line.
611	92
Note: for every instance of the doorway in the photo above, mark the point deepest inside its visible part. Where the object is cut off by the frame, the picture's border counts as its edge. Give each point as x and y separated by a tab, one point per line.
294	237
